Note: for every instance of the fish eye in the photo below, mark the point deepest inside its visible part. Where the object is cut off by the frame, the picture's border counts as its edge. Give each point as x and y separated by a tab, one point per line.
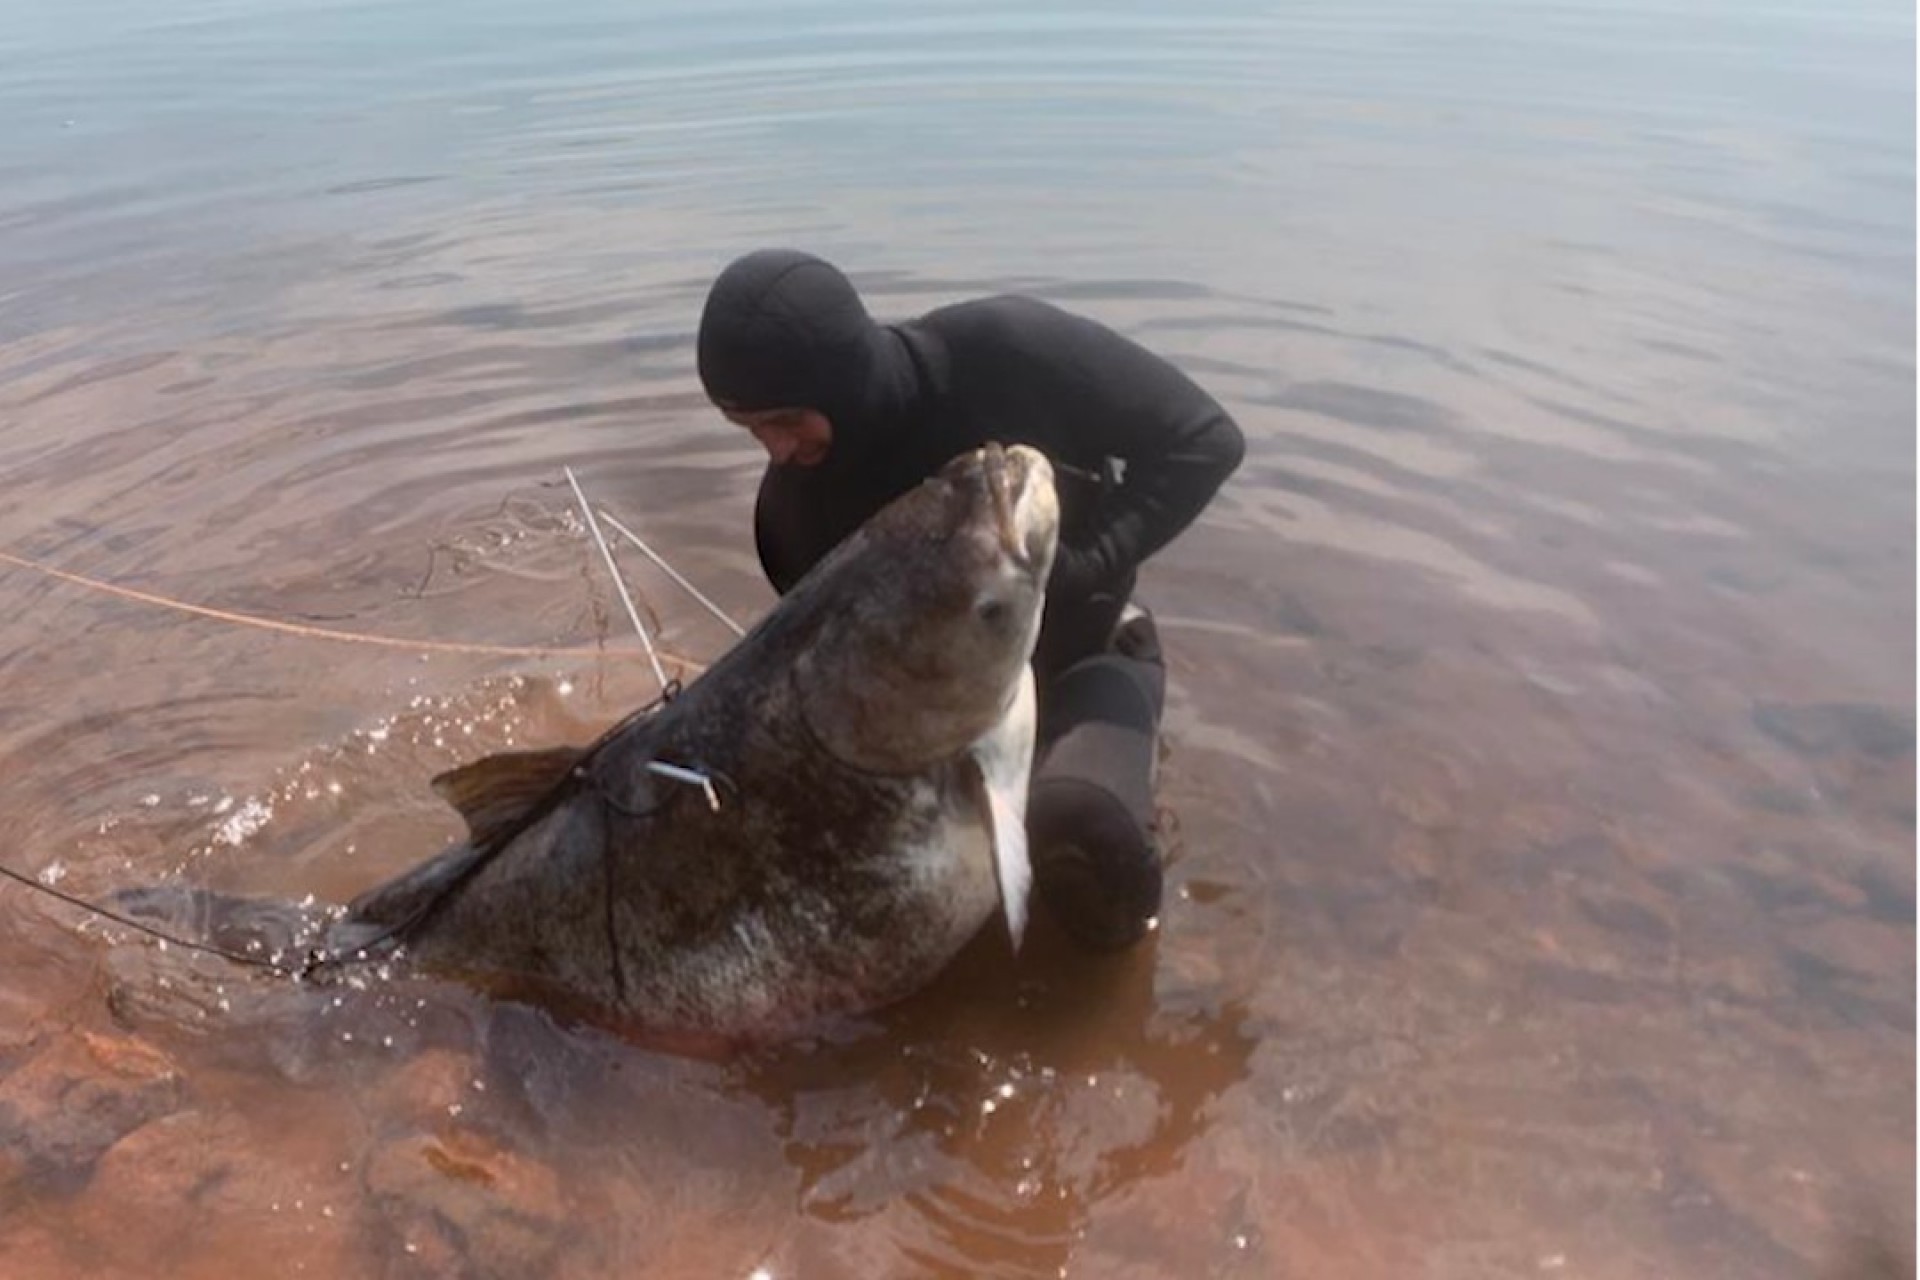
992	612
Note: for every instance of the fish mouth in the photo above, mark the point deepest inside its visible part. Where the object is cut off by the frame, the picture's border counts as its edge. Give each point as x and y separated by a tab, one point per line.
1012	477
1000	493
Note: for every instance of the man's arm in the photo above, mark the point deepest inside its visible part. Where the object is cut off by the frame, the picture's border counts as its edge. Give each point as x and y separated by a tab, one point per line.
1118	399
797	519
784	530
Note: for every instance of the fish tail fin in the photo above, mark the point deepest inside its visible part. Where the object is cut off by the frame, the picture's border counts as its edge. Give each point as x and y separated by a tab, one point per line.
269	930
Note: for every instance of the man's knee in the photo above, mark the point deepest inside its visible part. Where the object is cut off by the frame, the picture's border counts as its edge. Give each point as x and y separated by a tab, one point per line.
1090	807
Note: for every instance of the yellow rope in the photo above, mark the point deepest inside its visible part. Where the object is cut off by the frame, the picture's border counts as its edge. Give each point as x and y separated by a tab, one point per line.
315	633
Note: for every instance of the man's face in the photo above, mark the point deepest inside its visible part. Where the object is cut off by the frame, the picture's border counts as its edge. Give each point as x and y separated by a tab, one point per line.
792	437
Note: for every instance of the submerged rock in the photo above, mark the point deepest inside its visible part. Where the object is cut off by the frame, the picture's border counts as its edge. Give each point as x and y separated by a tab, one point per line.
457	1204
194	1192
68	1103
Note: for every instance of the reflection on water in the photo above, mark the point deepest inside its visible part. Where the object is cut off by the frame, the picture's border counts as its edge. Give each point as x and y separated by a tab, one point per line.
1000	1109
1539	792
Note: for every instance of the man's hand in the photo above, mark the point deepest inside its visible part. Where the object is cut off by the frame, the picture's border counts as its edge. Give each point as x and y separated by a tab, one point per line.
1077	573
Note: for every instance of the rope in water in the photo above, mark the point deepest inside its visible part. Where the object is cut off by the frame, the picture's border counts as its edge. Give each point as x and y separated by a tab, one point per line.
668	689
237	957
312	632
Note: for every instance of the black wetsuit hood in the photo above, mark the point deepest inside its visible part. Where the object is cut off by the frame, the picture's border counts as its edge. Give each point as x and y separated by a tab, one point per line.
785	329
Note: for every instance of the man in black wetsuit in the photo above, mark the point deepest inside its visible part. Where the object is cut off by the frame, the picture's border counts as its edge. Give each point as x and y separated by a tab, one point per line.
852	413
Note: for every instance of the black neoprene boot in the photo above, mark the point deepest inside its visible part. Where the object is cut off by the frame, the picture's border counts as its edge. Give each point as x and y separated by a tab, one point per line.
1090	805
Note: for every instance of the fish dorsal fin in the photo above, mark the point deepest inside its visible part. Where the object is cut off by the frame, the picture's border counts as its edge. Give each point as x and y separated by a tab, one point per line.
1005	760
495	792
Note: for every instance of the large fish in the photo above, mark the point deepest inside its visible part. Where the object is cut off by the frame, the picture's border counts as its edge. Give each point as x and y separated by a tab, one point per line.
869	745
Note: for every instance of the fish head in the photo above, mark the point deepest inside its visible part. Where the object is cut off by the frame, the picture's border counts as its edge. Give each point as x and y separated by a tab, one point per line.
938	603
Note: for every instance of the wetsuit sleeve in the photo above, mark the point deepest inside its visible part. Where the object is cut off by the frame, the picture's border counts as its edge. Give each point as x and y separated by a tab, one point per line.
784	531
1113	397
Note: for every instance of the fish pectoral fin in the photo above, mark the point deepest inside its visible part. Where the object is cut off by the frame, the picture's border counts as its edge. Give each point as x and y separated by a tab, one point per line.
1011	863
1005	760
496	792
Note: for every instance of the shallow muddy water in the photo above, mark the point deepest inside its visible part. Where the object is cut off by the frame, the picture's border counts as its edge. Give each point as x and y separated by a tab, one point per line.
1539	789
